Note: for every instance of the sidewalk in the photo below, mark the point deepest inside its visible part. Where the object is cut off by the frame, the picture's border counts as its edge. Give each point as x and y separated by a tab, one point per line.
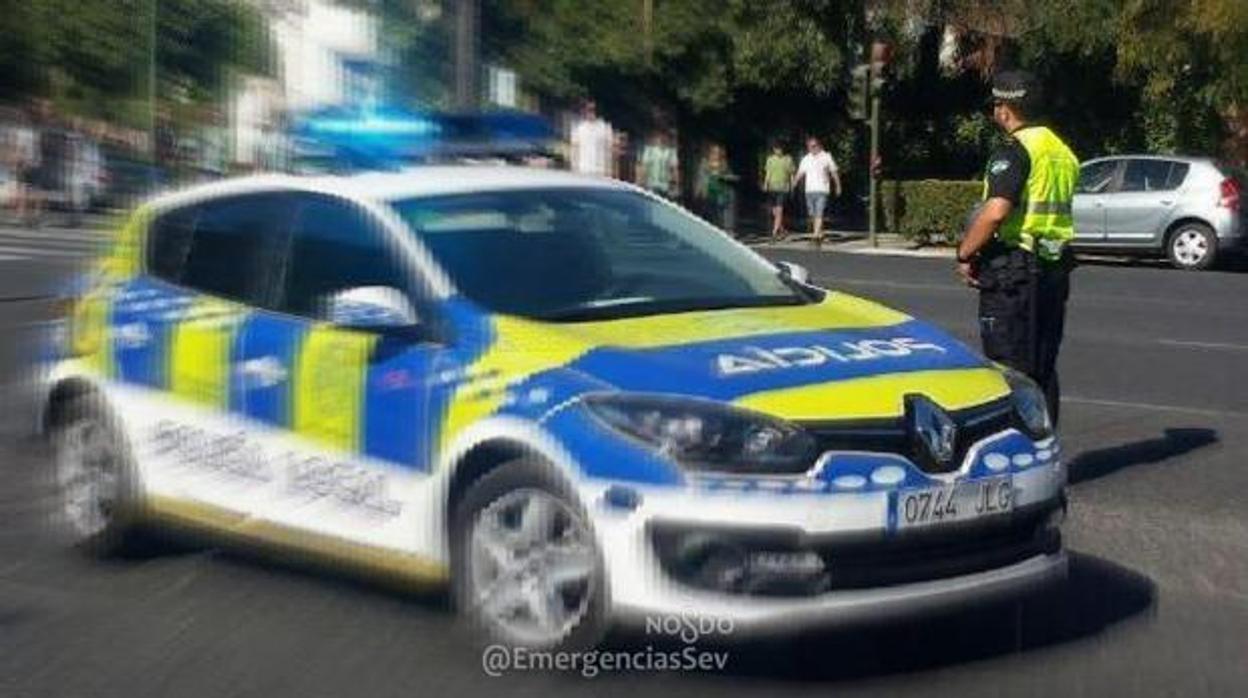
853	242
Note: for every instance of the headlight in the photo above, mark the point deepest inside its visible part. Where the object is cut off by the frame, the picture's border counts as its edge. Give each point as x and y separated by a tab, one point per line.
704	435
1030	405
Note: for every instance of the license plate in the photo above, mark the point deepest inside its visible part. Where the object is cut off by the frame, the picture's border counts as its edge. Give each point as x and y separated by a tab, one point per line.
958	502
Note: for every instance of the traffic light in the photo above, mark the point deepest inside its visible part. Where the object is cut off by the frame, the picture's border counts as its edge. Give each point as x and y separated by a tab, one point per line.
859	102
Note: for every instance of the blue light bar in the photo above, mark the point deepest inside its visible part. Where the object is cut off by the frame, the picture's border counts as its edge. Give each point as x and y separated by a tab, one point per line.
344	138
375	125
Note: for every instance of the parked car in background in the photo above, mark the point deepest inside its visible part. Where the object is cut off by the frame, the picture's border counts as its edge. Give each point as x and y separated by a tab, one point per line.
1186	208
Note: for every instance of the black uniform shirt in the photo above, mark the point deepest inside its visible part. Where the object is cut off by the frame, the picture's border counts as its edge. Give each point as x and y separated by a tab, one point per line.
1007	172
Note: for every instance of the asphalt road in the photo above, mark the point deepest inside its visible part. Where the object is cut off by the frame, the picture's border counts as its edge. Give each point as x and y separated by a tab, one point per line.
1155	421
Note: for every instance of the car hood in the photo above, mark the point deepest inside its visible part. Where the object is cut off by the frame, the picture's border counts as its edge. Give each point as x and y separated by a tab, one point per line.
844	357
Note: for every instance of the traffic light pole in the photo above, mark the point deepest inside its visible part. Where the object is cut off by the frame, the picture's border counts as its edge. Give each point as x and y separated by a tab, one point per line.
873	191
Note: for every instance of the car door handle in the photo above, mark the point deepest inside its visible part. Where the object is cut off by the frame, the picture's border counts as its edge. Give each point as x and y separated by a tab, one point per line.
1167	202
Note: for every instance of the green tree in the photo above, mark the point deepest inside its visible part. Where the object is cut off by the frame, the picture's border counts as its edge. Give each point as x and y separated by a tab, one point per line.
706	60
740	72
93	56
1151	75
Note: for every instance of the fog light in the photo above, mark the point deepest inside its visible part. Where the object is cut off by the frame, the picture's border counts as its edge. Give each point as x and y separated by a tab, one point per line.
711	562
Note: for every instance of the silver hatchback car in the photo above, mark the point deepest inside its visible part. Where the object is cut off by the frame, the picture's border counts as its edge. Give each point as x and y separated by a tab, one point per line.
1186	208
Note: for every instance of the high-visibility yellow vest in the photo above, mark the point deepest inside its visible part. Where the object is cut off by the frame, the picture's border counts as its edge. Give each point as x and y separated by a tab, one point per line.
1042	222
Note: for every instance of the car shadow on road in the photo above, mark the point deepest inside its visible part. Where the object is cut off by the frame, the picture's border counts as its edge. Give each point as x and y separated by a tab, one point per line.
1098	463
1097	595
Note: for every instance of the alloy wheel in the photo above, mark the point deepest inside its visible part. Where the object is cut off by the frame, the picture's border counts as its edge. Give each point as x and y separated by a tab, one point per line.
532	564
88	478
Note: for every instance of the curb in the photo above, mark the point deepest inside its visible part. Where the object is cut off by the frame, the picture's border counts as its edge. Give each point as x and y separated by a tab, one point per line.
857	246
922	252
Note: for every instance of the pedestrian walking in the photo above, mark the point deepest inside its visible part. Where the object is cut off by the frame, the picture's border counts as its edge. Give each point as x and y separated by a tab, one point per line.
52	174
22	154
658	168
276	152
714	188
1014	250
778	173
593	143
820	173
81	174
213	156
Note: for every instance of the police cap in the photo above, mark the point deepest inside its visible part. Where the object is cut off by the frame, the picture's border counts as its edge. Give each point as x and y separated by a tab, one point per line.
1016	87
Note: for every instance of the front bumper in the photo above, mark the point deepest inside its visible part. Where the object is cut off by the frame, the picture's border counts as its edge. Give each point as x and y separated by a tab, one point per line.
761	616
931	570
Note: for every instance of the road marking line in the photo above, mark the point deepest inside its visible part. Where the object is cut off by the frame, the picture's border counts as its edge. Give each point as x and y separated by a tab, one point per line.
1228	346
42	252
41	235
1153	407
49	245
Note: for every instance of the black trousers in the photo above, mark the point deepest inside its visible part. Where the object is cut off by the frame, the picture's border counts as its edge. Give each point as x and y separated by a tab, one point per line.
1022	315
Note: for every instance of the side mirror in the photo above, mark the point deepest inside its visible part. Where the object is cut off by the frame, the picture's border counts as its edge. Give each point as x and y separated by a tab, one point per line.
371	307
794	271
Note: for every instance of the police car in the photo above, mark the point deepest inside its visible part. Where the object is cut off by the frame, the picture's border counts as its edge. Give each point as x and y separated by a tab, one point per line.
575	403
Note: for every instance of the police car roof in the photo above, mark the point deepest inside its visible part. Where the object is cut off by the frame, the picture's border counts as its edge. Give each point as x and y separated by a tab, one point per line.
453	179
412	182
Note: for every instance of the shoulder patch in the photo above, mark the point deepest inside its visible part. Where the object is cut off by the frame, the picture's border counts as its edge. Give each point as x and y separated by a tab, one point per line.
996	167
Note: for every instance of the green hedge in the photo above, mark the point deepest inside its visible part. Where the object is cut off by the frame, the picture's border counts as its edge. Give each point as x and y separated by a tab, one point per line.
930	210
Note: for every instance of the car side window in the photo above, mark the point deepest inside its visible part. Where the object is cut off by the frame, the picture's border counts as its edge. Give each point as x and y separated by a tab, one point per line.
1097	177
234	244
1178	173
336	246
1146	175
169	240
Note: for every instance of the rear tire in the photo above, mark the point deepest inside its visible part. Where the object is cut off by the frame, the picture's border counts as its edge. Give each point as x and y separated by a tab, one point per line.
527	569
97	490
1192	247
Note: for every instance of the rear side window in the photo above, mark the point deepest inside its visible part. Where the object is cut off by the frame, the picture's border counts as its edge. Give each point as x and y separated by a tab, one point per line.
337	246
1178	173
1097	177
1149	175
226	247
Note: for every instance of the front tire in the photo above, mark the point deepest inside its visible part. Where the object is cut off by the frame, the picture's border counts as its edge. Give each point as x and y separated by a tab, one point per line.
527	567
1192	247
97	490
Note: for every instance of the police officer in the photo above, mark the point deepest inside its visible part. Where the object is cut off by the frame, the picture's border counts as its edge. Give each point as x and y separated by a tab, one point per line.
1014	250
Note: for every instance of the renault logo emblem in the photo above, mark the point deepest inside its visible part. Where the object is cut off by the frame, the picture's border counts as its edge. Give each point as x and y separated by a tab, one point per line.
934	429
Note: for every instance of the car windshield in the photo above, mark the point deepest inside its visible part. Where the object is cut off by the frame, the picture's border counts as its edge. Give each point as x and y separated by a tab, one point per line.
592	253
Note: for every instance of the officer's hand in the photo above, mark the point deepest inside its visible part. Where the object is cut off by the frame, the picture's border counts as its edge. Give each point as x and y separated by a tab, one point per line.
967	274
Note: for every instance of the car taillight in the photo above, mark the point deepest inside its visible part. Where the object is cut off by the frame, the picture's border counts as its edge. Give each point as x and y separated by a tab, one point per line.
1229	190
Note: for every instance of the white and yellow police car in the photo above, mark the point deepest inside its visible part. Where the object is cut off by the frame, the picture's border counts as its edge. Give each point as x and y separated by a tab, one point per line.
573	402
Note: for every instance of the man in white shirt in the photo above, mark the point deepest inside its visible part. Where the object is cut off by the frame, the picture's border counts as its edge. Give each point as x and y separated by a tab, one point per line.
819	170
593	143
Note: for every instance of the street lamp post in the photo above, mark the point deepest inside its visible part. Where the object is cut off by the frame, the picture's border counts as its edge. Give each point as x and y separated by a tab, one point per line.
151	91
466	30
647	23
880	55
